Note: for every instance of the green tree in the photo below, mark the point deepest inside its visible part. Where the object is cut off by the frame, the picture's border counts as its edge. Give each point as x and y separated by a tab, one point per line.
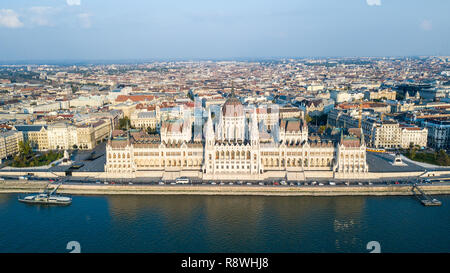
322	129
124	123
412	152
442	158
308	118
25	148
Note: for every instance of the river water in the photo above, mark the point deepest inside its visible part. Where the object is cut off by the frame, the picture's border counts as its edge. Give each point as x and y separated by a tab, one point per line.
226	224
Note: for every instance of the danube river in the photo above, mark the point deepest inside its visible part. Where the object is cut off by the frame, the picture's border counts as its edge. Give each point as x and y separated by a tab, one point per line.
226	224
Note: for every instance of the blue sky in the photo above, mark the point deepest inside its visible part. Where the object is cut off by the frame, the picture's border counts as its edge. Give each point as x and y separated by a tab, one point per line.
131	29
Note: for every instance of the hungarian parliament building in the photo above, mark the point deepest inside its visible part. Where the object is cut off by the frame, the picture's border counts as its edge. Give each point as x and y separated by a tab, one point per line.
235	143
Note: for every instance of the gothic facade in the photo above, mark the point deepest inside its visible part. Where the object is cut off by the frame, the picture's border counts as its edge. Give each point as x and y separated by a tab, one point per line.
234	147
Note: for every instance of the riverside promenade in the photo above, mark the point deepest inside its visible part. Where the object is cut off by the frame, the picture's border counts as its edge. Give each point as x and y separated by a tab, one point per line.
326	190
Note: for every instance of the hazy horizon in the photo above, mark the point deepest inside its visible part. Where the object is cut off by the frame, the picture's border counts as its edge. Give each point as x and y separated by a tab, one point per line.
150	60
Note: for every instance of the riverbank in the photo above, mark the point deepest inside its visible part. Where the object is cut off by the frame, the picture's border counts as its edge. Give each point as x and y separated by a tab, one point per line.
26	187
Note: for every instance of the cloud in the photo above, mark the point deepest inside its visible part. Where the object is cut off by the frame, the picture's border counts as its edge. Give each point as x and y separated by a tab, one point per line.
373	2
426	25
9	19
85	20
73	2
41	15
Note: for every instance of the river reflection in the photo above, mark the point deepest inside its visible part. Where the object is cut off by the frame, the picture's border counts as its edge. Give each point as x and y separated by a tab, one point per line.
231	222
152	223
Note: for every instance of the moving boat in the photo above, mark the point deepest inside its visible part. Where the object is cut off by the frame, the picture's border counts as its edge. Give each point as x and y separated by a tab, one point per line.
47	198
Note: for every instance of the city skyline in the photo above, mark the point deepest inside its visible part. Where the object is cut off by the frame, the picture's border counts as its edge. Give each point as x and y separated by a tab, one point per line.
49	30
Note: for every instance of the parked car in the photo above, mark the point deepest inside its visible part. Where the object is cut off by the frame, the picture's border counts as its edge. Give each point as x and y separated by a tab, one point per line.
332	183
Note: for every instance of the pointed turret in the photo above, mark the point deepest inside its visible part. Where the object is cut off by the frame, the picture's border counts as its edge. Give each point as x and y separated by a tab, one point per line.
209	137
254	134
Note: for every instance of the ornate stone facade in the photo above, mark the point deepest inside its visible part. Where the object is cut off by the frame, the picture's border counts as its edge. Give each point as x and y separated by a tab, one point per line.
234	148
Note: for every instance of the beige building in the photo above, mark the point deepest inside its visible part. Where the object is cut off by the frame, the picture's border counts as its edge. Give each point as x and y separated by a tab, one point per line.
144	120
382	94
9	143
62	136
85	137
387	134
126	108
36	134
414	136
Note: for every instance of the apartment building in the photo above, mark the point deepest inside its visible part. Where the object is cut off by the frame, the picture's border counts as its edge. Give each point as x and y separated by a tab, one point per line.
438	133
413	136
35	134
9	143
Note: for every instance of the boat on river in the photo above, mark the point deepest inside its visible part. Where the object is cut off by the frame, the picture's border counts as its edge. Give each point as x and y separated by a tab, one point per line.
47	198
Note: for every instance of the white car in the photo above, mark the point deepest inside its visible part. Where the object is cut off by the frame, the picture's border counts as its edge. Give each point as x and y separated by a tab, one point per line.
231	183
161	183
320	184
261	183
106	183
129	183
213	183
332	183
249	183
1	178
